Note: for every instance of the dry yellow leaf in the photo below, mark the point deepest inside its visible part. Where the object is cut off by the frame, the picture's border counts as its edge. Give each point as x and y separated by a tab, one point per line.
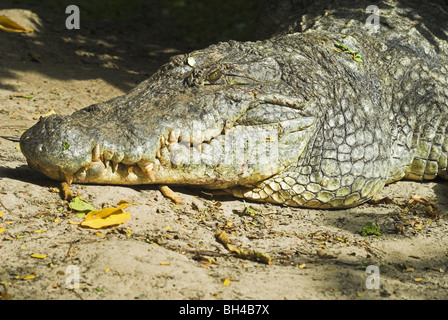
163	263
226	282
418	279
31	276
107	217
9	25
38	256
2	229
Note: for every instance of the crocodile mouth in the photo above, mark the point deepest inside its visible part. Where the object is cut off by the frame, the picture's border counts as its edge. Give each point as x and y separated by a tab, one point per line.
241	154
180	159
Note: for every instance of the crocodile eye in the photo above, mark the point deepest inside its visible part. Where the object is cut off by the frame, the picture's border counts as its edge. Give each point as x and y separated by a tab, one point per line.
214	76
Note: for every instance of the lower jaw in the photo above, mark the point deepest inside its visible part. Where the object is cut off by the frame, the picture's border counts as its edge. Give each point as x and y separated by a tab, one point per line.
98	173
134	175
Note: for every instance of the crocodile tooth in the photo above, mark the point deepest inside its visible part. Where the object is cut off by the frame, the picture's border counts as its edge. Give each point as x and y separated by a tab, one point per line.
96	153
95	167
114	166
108	155
162	141
68	177
198	146
80	174
173	137
148	170
151	176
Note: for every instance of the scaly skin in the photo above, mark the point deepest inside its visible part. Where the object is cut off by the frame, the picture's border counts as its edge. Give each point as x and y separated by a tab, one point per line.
291	120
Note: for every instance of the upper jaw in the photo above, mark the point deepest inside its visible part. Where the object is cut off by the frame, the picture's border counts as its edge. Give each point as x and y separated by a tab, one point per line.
62	153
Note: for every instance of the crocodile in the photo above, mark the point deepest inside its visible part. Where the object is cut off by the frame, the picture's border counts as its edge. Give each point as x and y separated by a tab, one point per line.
323	113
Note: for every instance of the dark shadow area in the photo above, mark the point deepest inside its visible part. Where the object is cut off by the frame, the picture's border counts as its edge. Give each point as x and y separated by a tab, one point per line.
122	53
121	42
427	20
352	277
25	174
440	190
389	223
274	16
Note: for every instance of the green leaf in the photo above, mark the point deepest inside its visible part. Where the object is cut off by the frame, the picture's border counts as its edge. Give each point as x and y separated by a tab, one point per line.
371	229
358	57
248	210
80	205
65	145
343	47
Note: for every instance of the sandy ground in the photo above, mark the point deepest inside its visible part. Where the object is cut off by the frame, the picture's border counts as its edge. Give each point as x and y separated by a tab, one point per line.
167	250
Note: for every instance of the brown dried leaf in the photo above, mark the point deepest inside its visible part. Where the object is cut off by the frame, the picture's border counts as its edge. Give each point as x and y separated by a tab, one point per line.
422	200
248	254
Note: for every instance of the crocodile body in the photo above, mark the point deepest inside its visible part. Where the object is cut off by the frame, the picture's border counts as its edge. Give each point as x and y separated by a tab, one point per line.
323	114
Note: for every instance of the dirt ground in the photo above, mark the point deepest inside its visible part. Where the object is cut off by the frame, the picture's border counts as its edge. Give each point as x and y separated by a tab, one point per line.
167	250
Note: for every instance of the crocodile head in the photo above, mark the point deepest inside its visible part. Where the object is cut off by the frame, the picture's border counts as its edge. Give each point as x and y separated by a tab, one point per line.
217	117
